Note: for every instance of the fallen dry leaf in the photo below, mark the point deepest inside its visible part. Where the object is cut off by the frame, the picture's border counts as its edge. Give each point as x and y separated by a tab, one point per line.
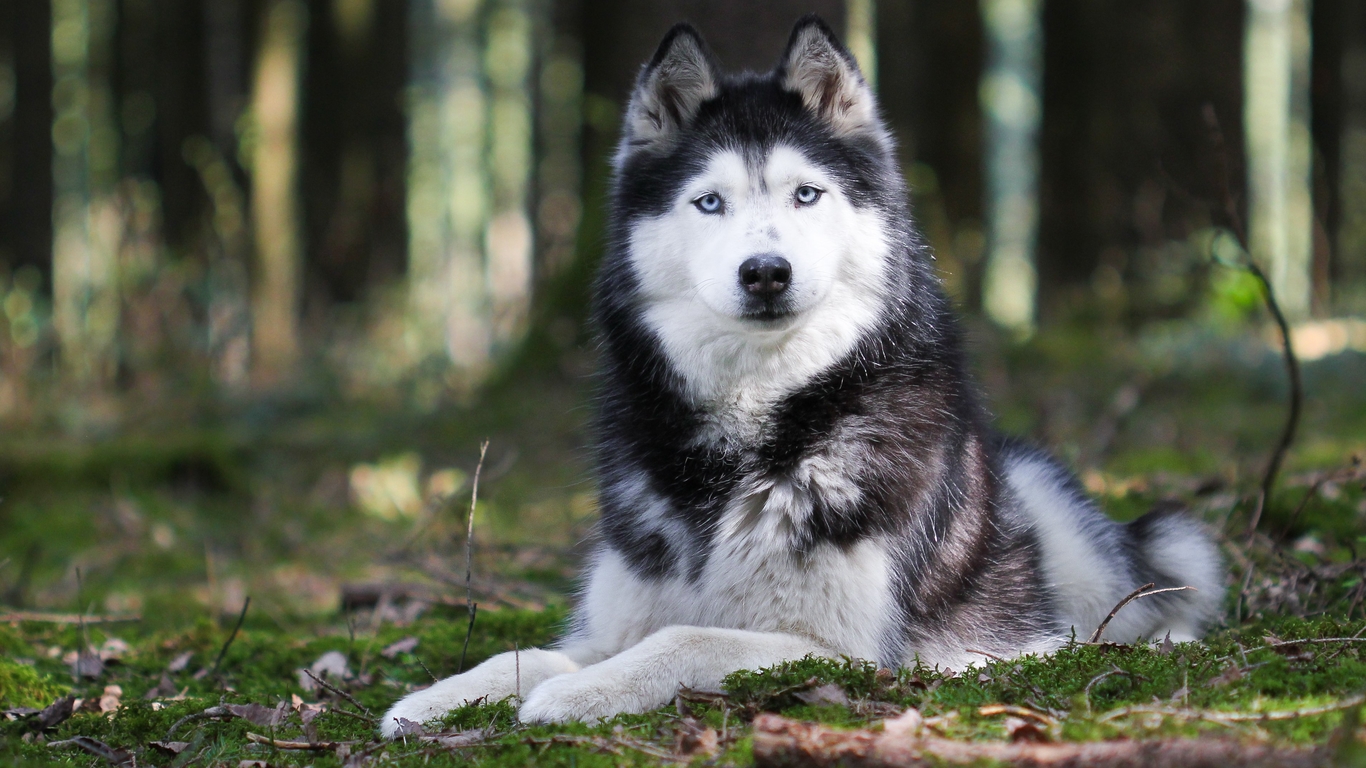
825	694
1020	729
908	723
56	713
693	738
180	662
170	748
406	645
259	715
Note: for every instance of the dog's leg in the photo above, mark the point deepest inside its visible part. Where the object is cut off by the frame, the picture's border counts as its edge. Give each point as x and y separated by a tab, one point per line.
494	680
648	674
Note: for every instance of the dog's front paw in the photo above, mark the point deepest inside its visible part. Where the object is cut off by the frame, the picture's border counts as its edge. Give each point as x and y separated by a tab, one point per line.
586	696
429	704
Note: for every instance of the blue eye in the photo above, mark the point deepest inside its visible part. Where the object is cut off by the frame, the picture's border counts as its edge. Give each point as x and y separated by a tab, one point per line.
708	203
807	194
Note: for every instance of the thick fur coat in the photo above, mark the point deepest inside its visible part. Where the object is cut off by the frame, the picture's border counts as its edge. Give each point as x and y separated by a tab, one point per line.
791	457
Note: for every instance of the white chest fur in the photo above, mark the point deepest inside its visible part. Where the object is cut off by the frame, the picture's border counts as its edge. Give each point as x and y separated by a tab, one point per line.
753	580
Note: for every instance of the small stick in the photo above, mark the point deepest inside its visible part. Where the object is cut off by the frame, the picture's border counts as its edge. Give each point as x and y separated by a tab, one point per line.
212	713
1142	591
311	745
1292	366
228	643
991	656
340	693
67	618
1239	717
470	605
81	611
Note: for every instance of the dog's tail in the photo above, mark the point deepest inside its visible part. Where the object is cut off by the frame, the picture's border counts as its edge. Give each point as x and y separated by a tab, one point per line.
1175	550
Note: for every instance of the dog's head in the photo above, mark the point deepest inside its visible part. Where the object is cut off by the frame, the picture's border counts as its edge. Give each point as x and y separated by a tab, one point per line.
755	206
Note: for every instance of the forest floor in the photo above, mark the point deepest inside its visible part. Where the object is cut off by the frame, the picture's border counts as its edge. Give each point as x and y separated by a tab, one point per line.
128	550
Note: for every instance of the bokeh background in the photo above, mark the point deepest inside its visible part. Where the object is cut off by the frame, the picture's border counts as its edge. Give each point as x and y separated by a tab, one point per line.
272	270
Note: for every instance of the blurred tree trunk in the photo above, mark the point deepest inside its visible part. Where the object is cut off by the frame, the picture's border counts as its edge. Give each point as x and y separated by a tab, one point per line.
87	224
352	154
448	188
182	98
26	222
1127	164
7	95
275	209
1346	161
930	57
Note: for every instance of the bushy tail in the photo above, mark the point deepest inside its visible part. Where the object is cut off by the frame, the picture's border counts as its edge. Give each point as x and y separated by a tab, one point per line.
1175	550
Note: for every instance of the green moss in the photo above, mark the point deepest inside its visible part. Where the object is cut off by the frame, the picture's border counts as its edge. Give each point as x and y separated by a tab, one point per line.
23	686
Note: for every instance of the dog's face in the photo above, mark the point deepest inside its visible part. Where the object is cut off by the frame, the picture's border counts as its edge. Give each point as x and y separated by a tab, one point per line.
749	205
758	242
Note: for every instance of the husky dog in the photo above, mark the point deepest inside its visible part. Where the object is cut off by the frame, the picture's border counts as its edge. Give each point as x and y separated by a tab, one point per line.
790	455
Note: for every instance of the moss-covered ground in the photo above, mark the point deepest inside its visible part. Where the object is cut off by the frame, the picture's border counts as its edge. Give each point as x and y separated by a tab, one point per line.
345	525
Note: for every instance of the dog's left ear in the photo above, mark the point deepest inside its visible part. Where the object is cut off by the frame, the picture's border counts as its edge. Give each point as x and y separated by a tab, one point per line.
824	73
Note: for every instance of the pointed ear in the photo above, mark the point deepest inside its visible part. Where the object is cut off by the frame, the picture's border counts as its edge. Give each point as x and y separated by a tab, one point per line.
670	89
826	76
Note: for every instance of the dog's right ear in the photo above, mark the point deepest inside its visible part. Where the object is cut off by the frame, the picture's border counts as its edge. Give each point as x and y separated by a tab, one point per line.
670	89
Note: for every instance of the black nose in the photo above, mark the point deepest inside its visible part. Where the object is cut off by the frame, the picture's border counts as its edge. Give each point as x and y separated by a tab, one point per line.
766	275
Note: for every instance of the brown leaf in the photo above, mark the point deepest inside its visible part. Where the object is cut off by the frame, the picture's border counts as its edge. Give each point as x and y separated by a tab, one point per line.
109	702
56	713
180	662
693	738
257	714
908	723
1231	675
407	727
825	694
1020	729
1167	645
406	645
170	748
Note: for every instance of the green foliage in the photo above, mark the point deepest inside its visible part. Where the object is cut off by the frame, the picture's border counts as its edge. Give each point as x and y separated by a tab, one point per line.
22	686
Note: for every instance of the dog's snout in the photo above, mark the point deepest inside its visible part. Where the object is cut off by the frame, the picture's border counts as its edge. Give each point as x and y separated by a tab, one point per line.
765	275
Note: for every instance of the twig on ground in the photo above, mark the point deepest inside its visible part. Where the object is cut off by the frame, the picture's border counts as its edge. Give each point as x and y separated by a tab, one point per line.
1292	366
991	656
212	713
470	605
340	693
1018	711
241	617
318	746
1338	475
1237	717
1144	591
1100	677
782	742
67	618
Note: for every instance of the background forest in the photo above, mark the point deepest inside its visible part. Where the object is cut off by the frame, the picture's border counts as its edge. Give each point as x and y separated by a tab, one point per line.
271	271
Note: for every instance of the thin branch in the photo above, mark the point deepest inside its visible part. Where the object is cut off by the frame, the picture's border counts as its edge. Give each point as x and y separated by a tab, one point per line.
1238	717
228	643
317	746
1292	365
340	693
470	605
67	618
1144	591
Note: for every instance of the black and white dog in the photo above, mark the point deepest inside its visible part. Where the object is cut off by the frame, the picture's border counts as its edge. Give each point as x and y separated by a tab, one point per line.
791	458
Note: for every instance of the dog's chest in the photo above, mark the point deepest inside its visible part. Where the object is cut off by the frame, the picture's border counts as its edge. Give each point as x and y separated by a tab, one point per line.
839	595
